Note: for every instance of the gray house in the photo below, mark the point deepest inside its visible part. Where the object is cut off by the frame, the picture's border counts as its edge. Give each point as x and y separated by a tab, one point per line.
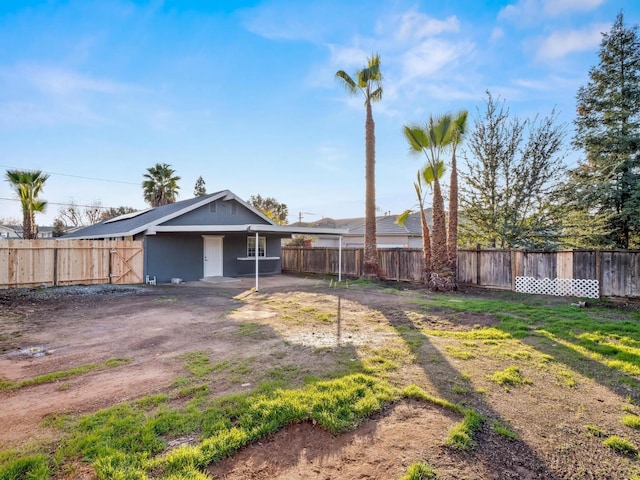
388	233
210	236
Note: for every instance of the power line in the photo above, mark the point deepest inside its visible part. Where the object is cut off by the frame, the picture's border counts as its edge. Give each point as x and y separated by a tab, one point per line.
64	204
78	176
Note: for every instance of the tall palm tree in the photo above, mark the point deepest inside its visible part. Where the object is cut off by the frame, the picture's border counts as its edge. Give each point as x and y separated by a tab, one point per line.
425	176
460	123
161	185
368	81
431	140
27	186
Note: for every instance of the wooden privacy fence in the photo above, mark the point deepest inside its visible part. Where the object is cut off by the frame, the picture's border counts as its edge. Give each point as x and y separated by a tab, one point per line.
395	264
617	271
29	263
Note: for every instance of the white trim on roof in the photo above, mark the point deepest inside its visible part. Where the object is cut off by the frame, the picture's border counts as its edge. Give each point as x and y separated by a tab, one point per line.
244	228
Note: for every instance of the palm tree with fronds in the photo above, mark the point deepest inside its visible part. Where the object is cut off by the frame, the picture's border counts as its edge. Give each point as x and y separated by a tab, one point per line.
432	140
27	185
460	128
368	82
425	176
160	185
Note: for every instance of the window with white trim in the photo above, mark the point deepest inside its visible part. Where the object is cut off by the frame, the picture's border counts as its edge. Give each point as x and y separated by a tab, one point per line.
251	246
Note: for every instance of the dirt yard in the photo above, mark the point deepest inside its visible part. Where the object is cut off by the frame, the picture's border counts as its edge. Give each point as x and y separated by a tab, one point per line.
292	329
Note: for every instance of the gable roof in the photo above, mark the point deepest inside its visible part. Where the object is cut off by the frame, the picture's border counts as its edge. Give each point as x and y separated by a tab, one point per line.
385	224
131	224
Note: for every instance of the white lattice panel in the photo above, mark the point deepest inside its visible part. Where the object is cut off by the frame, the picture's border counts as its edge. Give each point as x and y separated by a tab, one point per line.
566	287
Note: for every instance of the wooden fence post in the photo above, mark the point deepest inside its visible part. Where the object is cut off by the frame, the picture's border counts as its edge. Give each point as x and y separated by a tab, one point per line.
599	271
55	265
513	270
478	267
326	261
110	264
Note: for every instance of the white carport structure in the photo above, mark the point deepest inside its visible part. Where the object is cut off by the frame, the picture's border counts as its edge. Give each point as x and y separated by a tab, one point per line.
258	229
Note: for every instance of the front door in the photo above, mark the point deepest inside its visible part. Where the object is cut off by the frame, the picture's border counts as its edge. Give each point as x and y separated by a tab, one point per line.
213	256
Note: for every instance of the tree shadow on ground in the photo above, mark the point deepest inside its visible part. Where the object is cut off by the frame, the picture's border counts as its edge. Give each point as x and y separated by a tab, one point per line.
502	457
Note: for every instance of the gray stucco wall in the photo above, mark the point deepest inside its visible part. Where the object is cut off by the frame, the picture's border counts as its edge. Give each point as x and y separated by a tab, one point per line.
221	216
169	256
235	246
180	255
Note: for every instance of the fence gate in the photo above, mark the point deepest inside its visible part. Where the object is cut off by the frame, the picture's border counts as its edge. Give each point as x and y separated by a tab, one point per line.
126	263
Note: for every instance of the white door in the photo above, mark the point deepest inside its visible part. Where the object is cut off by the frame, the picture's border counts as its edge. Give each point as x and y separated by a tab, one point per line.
213	256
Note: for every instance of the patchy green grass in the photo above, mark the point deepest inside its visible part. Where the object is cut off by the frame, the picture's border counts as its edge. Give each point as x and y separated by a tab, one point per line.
63	374
554	343
632	421
459	353
34	467
595	430
420	471
199	365
253	330
502	429
587	333
509	377
460	436
621	445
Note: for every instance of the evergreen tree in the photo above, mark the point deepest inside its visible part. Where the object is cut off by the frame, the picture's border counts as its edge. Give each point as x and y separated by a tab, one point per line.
604	190
199	189
58	228
509	192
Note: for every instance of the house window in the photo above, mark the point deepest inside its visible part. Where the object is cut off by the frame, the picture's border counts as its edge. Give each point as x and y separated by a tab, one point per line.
251	247
213	207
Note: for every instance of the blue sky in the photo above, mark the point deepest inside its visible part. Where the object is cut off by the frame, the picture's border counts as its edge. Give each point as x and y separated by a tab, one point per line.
243	92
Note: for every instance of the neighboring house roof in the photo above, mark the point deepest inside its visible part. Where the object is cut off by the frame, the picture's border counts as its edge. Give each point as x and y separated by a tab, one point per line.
385	225
16	230
154	220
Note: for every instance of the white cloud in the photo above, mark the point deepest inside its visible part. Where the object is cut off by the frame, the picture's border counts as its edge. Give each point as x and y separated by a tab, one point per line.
348	57
431	57
56	81
557	7
414	26
496	34
45	95
562	43
529	11
307	21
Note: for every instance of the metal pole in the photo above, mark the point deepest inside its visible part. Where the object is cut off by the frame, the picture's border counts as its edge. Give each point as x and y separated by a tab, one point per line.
340	258
257	250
